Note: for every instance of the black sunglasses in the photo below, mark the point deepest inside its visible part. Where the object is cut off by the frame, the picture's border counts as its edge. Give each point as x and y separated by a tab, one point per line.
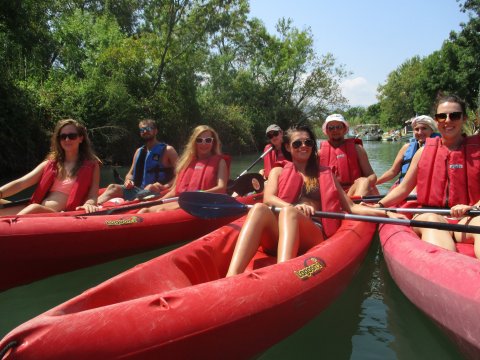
71	136
145	129
454	116
335	127
200	140
273	133
308	142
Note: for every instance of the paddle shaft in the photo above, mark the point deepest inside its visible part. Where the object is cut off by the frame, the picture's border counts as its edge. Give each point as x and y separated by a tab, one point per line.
376	198
256	161
427	210
131	207
14	203
211	206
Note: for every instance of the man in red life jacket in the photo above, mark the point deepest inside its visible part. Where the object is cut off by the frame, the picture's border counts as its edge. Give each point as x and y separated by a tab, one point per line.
347	158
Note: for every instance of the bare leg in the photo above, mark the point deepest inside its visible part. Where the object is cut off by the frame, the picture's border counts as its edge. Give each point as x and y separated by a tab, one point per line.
460	237
297	231
35	209
112	191
259	219
361	187
437	237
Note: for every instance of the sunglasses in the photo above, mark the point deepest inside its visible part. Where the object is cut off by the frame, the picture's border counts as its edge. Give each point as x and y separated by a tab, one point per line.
273	133
200	140
454	116
145	129
308	142
71	136
335	127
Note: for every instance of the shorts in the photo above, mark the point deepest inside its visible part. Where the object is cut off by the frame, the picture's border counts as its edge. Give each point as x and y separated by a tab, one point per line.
136	193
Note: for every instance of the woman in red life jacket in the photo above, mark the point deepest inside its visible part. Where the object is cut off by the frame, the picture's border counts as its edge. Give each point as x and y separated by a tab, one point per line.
446	172
299	188
275	135
201	167
67	180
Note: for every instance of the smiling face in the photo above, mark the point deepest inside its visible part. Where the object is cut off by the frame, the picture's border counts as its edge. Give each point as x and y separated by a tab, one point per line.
69	138
204	144
422	132
336	130
451	129
299	146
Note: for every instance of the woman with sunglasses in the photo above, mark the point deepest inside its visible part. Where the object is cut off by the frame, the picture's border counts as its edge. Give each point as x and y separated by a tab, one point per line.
200	167
299	188
67	180
275	136
446	172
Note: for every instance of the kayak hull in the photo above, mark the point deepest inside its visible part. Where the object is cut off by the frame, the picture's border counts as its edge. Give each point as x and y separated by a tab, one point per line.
180	306
35	247
443	284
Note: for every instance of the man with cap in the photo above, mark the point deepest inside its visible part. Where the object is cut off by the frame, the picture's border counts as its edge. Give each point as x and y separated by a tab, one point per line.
347	158
423	127
275	135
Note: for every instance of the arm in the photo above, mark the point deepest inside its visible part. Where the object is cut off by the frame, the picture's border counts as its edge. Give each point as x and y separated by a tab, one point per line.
30	179
129	177
222	179
396	166
90	204
271	189
406	186
367	170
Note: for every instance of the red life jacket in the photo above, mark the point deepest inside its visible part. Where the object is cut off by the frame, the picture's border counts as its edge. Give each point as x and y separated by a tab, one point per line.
200	174
270	159
290	185
79	190
446	178
343	161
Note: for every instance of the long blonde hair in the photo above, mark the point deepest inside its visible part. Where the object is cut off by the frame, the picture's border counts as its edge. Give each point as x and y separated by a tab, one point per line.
57	154
190	152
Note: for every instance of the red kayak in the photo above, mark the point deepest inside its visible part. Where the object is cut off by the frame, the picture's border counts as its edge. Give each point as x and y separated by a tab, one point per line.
33	247
443	284
180	306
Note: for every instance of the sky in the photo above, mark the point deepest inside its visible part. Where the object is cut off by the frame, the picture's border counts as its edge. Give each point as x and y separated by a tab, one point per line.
371	38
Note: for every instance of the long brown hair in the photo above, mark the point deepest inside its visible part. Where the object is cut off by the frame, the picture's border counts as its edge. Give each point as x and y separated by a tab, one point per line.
57	154
190	152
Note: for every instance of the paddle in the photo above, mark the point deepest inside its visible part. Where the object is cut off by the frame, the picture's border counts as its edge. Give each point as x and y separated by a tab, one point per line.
131	207
256	161
14	203
246	183
376	198
117	178
427	210
211	206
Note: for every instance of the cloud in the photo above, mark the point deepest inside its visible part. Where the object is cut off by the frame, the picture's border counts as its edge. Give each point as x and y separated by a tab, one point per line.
359	91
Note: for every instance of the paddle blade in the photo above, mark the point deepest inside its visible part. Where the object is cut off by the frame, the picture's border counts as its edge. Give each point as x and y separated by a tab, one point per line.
210	206
246	184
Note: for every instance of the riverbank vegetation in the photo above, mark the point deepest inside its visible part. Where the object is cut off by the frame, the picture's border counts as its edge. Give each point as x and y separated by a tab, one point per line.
186	62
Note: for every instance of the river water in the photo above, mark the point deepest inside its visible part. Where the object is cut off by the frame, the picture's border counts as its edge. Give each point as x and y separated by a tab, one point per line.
372	319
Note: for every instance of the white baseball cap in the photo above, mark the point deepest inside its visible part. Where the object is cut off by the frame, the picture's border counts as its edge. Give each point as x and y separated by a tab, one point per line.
425	120
334	117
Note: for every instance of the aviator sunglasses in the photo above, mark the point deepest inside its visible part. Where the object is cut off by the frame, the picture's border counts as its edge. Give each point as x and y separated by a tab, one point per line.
272	134
200	140
145	129
297	143
335	127
454	116
71	136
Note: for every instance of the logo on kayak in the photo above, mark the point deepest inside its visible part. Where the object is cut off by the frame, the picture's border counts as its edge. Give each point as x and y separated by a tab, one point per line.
456	166
312	267
118	222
